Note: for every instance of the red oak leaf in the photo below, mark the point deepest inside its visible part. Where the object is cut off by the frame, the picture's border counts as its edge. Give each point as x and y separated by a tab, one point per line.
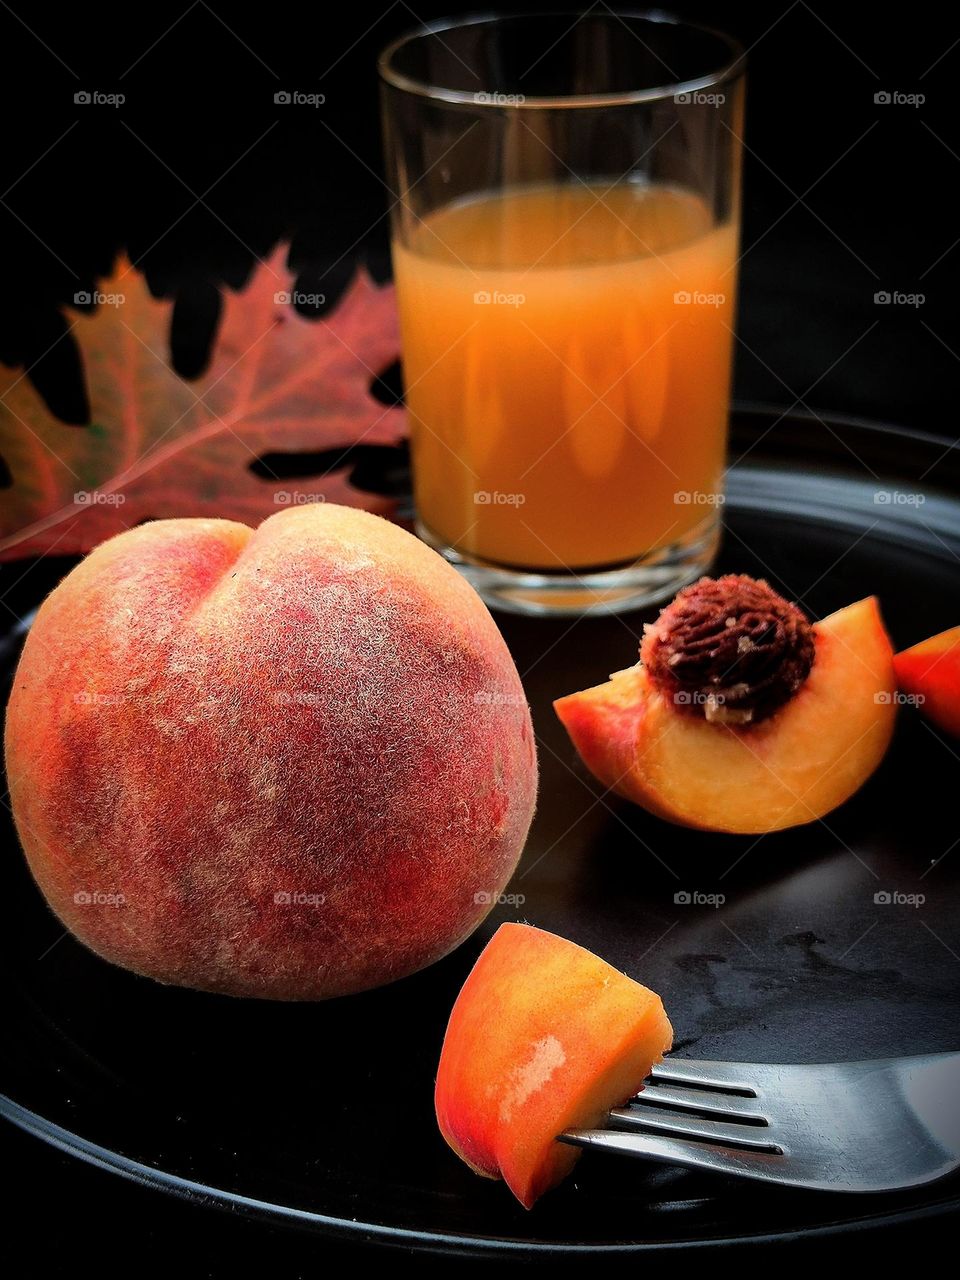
159	445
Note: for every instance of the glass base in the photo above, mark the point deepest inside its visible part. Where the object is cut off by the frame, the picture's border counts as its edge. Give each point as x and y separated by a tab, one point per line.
648	580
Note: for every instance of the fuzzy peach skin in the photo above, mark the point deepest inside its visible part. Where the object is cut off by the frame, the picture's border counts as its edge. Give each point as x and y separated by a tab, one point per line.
544	1037
291	762
809	757
931	671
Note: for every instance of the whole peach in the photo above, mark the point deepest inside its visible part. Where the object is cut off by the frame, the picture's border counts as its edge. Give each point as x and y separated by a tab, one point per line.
291	762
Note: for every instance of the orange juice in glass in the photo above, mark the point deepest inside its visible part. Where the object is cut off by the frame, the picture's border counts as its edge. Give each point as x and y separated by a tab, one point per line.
565	280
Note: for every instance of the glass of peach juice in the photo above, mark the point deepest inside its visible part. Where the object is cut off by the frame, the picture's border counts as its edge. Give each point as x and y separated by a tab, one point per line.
564	234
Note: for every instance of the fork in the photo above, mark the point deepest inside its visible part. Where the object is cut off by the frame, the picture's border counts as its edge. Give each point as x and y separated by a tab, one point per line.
844	1126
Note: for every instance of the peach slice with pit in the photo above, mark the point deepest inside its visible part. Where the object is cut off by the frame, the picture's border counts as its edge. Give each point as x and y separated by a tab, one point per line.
796	766
930	673
544	1037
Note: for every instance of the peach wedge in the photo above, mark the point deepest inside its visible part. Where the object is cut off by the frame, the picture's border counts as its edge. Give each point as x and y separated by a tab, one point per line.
798	765
930	673
544	1036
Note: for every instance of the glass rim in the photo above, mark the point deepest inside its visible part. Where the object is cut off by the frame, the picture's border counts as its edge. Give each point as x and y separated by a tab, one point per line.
732	69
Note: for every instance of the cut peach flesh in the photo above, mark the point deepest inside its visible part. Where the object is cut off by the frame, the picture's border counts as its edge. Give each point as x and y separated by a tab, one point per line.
809	757
545	1036
931	671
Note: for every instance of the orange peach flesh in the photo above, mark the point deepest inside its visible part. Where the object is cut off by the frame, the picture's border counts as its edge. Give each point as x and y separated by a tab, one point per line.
931	671
545	1036
809	757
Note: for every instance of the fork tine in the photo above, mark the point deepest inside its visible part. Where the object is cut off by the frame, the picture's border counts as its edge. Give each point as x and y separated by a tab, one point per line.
753	1137
739	1076
728	1105
661	1149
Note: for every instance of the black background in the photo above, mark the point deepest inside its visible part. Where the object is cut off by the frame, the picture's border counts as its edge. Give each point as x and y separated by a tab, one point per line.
199	170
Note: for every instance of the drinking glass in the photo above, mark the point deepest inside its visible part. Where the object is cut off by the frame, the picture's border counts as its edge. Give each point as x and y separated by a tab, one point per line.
564	239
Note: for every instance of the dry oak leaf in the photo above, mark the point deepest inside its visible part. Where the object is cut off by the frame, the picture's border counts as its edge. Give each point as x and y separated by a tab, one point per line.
158	445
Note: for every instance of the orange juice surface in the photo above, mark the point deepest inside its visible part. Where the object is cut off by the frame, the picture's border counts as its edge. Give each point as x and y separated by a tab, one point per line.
567	358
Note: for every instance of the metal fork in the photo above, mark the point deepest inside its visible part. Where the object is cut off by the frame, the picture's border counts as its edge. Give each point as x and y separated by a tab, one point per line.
841	1126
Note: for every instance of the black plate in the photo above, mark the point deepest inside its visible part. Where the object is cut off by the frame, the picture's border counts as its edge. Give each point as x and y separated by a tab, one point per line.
322	1114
